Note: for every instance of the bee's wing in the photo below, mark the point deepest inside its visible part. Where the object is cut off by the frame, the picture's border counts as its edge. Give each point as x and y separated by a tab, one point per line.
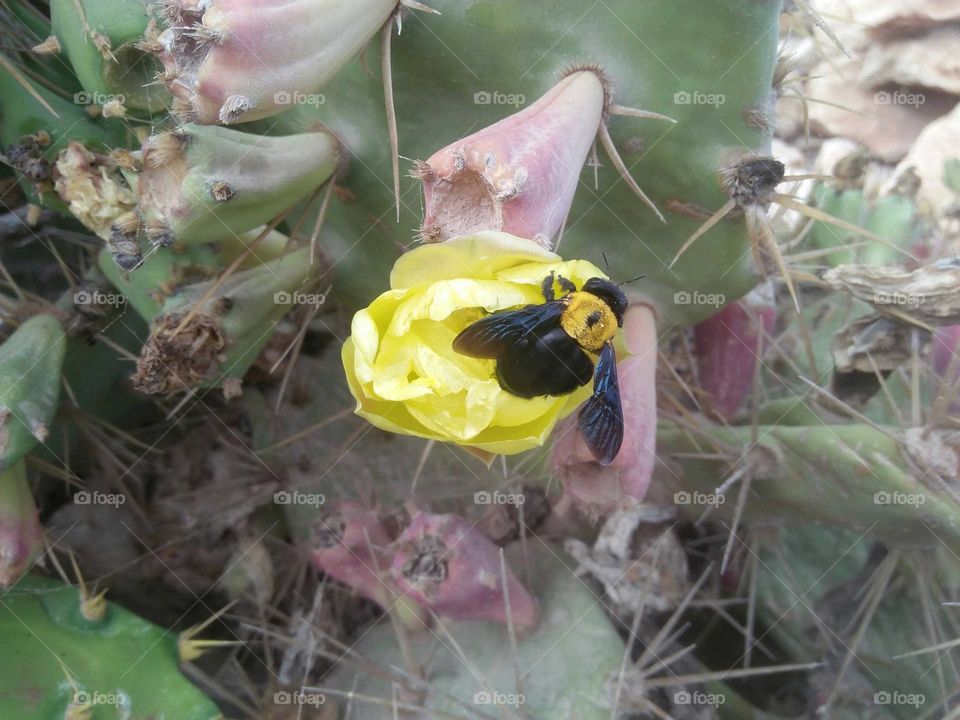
601	417
491	336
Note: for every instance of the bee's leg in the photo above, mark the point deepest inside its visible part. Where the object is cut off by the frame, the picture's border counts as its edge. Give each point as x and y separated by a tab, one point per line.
566	285
546	287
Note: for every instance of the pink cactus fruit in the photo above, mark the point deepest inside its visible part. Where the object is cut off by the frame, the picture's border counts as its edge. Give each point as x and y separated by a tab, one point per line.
597	490
239	60
519	174
449	566
728	347
351	543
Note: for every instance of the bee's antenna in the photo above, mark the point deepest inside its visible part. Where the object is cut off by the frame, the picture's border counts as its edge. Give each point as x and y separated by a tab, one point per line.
607	263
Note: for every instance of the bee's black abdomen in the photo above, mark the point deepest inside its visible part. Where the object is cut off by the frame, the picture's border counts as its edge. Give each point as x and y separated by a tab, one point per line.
544	363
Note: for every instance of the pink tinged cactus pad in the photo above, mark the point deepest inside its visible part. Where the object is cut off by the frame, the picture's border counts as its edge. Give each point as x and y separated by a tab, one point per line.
728	347
597	490
449	566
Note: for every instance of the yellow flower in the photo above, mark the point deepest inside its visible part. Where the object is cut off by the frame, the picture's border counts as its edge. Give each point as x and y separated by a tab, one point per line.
400	361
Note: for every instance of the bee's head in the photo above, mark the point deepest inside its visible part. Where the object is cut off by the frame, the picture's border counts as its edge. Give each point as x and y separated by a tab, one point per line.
611	294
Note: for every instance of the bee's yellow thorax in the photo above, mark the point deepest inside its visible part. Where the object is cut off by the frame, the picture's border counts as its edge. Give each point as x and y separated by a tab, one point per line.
588	320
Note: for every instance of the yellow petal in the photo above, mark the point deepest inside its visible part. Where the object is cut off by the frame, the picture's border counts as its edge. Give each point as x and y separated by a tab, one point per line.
578	271
438	301
481	255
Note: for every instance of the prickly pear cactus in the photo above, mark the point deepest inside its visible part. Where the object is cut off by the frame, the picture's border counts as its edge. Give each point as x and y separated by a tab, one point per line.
238	245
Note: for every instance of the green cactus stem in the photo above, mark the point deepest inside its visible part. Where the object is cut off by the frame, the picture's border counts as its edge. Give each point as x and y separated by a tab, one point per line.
159	275
201	184
892	217
30	363
26	35
164	270
853	476
100	38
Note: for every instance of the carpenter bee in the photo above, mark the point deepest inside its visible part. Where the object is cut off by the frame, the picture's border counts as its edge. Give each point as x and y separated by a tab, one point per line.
542	350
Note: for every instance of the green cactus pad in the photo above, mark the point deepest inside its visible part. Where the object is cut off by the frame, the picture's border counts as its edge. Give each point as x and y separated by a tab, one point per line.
121	664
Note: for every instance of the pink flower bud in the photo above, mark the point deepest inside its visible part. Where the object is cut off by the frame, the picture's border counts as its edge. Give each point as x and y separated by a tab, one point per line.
21	537
351	544
597	490
517	175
